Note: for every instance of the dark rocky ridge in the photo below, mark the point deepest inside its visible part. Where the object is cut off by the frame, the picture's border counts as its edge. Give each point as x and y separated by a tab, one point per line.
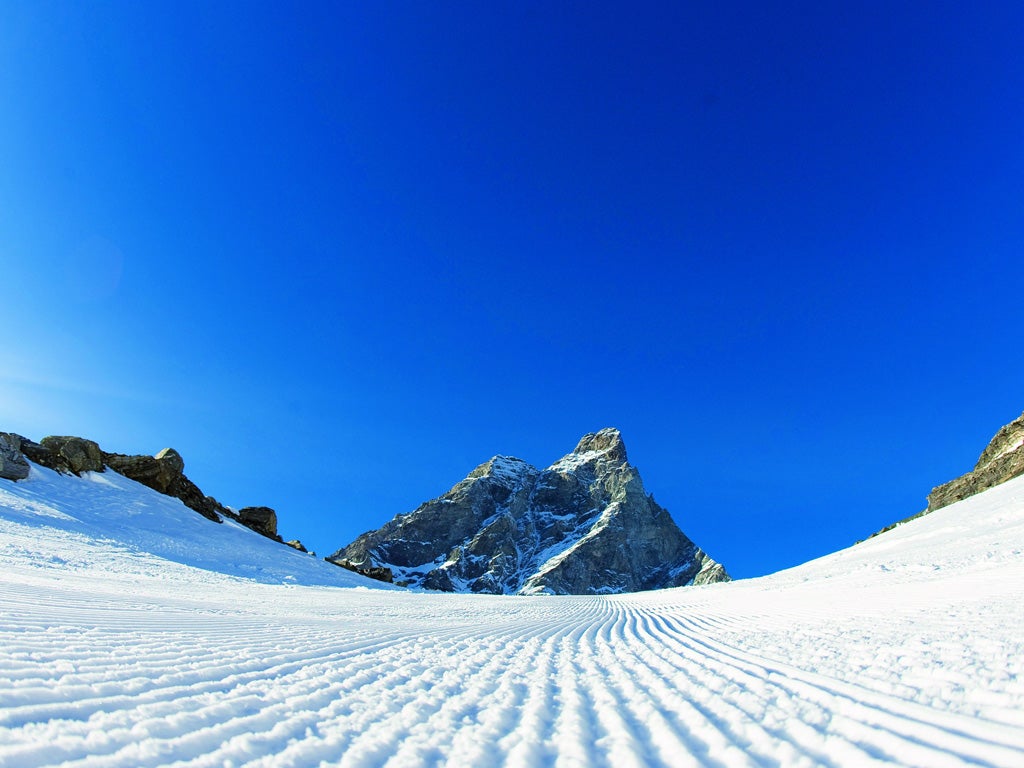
584	525
372	572
13	464
1002	460
164	473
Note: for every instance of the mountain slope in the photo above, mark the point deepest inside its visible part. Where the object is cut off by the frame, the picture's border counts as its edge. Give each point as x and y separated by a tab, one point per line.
114	652
105	519
584	525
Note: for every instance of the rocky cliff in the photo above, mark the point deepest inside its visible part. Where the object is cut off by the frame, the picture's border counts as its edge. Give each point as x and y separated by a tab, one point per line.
1001	460
584	525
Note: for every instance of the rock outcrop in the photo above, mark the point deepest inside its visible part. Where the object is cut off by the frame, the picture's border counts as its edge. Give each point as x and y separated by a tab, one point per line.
35	452
371	572
1002	460
70	455
75	454
260	519
584	525
13	465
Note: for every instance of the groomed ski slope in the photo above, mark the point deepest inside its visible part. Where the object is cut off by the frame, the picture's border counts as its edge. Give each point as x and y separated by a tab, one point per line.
116	650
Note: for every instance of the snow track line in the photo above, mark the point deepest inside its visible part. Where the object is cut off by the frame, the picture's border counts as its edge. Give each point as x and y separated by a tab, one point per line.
598	682
670	743
906	722
735	732
615	725
753	697
994	733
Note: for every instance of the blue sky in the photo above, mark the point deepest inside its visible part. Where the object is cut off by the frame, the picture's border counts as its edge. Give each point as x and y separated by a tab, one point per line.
338	256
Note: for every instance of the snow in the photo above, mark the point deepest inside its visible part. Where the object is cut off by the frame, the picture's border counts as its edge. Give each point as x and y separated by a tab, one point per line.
135	633
510	469
575	461
1009	448
113	524
551	557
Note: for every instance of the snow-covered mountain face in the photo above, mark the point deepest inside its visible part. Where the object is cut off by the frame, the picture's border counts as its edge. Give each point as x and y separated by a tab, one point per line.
584	525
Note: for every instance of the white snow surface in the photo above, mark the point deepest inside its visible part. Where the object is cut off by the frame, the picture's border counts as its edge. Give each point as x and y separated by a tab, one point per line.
135	633
574	461
509	469
1009	448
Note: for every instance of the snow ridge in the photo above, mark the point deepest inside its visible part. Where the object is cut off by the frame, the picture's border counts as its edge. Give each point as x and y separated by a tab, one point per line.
99	514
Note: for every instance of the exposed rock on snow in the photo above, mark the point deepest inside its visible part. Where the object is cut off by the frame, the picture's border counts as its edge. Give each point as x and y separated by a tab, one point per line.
371	572
73	454
1002	460
584	525
260	519
13	465
158	472
35	452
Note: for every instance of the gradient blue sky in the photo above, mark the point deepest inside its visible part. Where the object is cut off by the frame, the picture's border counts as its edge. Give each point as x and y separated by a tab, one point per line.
339	254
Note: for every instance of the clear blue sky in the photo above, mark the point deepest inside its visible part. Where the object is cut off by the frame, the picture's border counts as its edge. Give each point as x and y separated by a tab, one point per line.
338	256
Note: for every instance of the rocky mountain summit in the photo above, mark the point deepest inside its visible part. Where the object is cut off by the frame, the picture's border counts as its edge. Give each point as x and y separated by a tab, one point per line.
584	525
1002	460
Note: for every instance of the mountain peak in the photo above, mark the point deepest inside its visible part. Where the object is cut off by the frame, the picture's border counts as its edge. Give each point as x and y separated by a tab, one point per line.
607	440
584	525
